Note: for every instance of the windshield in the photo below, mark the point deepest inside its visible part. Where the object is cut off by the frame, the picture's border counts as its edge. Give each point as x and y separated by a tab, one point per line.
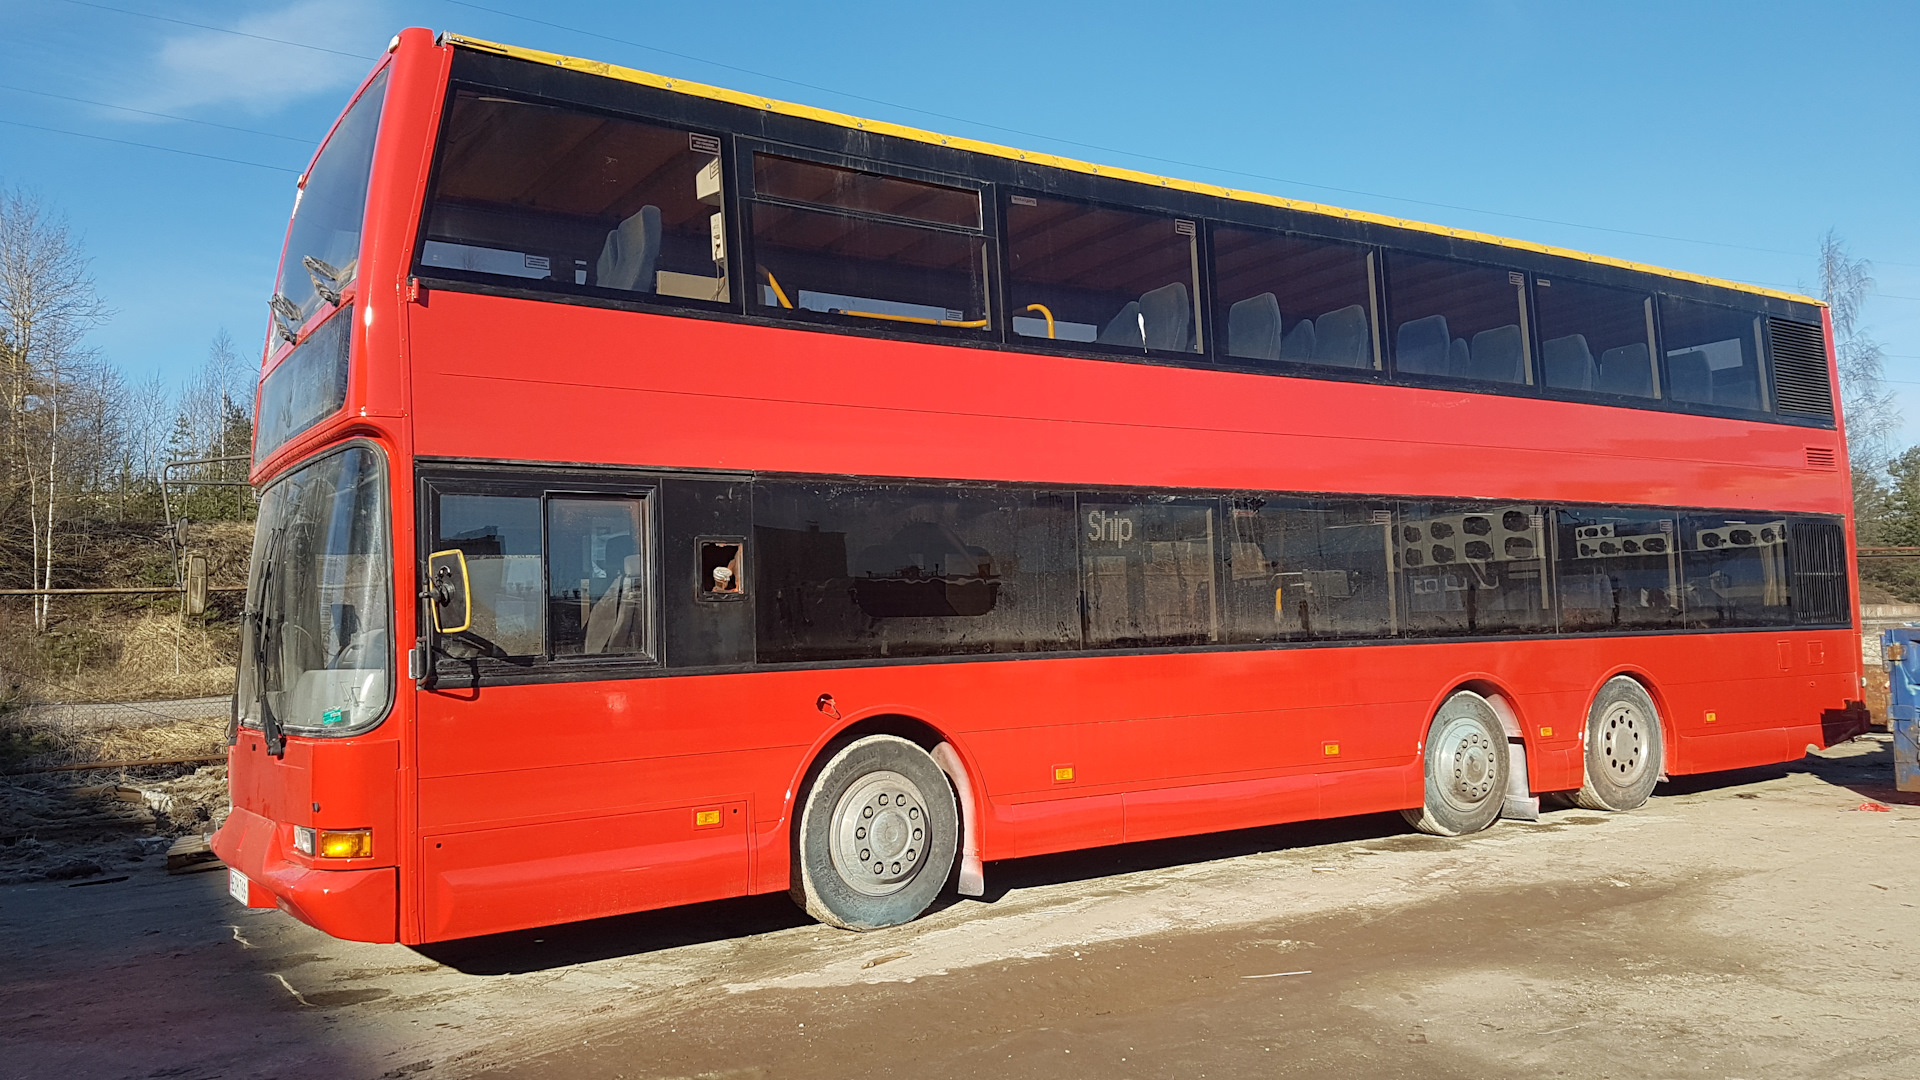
316	646
328	210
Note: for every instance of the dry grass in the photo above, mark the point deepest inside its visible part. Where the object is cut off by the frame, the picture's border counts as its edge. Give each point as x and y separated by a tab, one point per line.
127	648
106	655
43	736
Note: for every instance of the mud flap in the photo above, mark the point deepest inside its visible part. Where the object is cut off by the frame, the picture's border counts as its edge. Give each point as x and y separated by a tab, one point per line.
1521	804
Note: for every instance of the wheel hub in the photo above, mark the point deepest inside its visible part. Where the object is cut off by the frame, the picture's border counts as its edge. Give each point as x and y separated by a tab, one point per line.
1467	766
1623	746
879	833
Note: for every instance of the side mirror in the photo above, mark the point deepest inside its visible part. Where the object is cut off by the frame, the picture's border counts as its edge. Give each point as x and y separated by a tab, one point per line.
450	591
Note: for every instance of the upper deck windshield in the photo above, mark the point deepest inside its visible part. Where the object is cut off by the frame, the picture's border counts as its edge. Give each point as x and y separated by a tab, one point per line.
316	653
323	243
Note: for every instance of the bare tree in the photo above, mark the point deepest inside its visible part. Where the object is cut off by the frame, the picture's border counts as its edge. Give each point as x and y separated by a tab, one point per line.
47	304
1872	413
148	414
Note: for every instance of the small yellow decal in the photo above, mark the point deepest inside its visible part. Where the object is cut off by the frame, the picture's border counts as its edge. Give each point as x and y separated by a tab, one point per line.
1711	717
1063	774
705	819
1546	733
1331	749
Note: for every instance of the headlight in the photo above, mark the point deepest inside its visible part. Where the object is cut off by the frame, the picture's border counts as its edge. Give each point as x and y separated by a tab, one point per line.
303	840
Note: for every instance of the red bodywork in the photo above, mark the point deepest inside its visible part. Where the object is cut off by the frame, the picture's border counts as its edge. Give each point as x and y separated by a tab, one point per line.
530	805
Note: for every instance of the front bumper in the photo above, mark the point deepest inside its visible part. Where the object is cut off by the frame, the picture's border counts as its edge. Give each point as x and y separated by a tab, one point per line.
357	905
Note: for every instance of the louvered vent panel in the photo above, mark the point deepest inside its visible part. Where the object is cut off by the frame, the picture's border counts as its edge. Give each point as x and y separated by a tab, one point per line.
1800	383
1820	457
1817	554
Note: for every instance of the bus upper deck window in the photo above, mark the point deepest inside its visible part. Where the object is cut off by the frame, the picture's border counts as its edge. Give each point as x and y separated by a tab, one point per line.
867	247
1298	299
1457	320
1595	338
1095	274
577	200
1712	354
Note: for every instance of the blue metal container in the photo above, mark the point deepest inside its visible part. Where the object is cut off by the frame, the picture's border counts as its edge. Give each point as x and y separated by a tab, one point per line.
1900	647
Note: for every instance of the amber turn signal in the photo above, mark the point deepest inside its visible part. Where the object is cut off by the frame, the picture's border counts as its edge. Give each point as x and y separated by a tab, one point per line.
346	843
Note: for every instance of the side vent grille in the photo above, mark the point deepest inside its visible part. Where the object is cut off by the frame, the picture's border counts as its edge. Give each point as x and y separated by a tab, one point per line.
1817	556
1800	383
1820	457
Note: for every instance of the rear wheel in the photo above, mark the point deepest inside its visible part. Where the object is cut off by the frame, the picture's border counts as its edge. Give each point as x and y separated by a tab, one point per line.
1624	749
1466	768
878	834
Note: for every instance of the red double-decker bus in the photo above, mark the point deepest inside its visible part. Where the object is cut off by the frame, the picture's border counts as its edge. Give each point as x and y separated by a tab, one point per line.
671	494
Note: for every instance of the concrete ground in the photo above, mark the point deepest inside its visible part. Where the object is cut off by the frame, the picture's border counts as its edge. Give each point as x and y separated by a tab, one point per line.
1752	924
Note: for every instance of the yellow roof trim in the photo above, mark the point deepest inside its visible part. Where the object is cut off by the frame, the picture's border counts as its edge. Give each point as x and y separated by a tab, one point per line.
838	119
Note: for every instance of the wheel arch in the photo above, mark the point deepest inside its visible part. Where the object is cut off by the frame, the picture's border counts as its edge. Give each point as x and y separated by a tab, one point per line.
1520	800
969	794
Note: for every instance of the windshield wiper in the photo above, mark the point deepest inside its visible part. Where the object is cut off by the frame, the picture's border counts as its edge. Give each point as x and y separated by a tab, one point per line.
270	727
335	279
286	317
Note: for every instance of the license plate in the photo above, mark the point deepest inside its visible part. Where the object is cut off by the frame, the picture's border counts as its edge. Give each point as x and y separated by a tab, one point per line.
237	884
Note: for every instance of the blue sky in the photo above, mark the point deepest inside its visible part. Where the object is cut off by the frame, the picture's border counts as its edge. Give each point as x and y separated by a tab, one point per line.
1723	139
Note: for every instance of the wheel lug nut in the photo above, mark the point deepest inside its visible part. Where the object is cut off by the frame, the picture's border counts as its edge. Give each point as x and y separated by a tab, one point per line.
860	833
896	868
916	834
865	854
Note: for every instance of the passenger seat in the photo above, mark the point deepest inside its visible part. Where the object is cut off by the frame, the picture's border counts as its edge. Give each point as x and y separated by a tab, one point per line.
1169	315
1569	362
1626	370
1301	342
1688	376
1125	329
1421	346
1499	355
1343	338
1253	328
627	258
1735	387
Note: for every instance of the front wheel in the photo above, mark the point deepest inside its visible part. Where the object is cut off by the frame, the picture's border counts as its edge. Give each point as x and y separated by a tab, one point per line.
1466	768
1624	750
878	834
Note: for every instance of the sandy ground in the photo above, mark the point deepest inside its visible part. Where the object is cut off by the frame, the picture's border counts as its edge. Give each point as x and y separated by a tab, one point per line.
1752	924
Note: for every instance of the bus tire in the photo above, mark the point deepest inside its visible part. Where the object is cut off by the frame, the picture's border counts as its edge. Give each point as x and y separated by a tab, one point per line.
1466	768
877	837
1624	748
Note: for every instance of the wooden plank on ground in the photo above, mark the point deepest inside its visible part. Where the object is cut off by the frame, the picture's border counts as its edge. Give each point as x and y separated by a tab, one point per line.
191	854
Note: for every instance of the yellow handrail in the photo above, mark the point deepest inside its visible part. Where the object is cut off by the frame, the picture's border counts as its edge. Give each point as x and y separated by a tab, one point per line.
972	324
777	290
1042	309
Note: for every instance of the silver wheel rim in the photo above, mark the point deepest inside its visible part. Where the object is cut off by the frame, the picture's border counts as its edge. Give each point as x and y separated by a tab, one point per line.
1465	767
1622	742
879	833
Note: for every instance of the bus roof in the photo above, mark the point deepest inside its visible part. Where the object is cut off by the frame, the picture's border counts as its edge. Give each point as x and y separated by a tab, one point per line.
881	127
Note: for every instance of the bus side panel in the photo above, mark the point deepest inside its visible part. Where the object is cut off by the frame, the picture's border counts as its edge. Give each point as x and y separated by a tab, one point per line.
1199	808
492	880
542	794
840	404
